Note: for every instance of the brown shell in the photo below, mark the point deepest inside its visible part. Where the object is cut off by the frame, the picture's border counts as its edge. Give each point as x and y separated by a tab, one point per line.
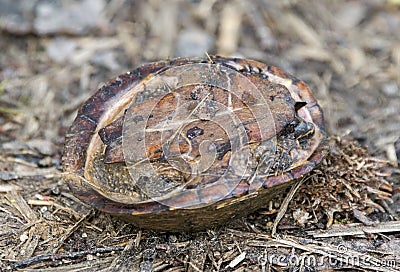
103	148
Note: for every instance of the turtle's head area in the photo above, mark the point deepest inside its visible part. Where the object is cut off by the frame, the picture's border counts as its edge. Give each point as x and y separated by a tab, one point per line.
299	104
300	128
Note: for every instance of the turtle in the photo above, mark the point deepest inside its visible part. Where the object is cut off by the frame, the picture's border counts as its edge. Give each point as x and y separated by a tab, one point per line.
191	143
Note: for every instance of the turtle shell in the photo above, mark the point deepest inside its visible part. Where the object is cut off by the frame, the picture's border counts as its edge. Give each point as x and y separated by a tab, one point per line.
186	144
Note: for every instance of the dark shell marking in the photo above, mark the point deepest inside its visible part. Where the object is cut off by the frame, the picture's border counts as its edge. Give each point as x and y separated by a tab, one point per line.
95	168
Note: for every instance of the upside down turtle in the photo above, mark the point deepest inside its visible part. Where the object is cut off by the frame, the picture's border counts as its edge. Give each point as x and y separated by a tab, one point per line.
186	144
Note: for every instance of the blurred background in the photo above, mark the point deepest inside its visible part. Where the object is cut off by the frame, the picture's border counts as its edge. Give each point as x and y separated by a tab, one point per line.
55	54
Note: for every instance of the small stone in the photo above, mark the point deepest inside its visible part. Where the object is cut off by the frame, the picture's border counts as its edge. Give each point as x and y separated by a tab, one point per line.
70	16
16	15
23	238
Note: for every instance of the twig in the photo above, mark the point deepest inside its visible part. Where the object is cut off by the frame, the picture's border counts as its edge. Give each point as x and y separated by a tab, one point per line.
18	202
55	257
285	205
357	229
